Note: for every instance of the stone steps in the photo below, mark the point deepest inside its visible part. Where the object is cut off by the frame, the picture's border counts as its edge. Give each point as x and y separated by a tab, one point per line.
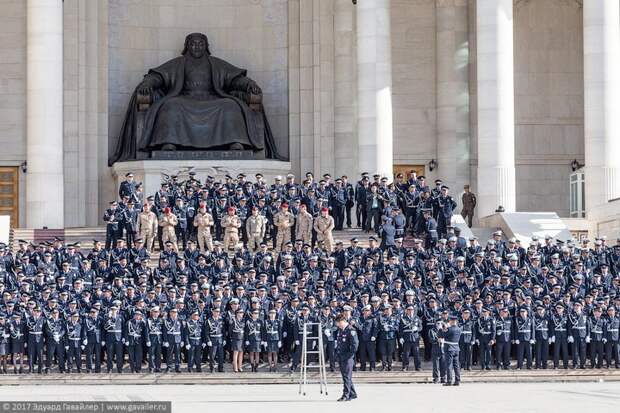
284	377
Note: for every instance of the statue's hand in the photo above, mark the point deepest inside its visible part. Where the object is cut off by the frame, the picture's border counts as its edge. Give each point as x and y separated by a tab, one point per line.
145	89
254	89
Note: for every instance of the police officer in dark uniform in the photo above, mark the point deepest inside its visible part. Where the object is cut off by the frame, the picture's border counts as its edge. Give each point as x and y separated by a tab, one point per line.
92	340
346	347
409	333
214	332
368	331
136	336
35	327
75	337
450	337
154	326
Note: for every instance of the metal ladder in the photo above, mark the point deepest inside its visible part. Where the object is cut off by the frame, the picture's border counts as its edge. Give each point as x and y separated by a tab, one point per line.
303	378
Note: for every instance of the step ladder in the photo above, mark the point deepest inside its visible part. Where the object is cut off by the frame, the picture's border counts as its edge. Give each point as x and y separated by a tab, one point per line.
305	351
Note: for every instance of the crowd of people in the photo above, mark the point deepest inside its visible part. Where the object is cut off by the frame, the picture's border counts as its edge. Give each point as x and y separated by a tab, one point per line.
243	265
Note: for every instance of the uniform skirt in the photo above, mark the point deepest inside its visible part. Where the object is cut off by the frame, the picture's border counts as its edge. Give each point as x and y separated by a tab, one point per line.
236	345
272	346
254	346
17	346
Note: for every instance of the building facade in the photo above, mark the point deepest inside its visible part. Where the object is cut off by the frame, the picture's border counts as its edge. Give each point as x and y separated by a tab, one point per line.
506	95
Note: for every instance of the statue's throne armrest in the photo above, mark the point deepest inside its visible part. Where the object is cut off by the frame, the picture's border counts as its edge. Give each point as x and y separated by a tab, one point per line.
255	102
143	103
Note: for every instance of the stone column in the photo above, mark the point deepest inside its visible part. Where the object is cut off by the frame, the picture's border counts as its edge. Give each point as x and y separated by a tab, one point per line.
452	48
496	135
374	87
44	93
601	51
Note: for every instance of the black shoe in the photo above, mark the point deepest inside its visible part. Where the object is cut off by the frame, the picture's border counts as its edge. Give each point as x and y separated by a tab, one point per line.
435	381
446	384
456	383
343	399
353	396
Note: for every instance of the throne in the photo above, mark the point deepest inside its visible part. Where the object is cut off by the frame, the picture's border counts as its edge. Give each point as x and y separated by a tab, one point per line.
254	102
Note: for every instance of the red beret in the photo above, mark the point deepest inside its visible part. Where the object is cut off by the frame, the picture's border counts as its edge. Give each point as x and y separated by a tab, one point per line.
324	209
166	210
231	209
284	205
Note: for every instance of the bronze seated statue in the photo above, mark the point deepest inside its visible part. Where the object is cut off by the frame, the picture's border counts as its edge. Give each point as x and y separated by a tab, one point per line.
195	102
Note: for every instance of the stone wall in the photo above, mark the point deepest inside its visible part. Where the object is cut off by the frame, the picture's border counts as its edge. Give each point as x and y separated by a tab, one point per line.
414	81
548	101
13	88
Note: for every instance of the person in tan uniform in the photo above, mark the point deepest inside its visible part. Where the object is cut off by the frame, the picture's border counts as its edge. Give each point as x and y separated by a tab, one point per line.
147	227
283	221
324	225
303	226
469	204
203	221
255	227
231	224
168	223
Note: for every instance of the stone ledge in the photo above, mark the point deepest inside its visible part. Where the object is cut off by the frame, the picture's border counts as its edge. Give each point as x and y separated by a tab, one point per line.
248	378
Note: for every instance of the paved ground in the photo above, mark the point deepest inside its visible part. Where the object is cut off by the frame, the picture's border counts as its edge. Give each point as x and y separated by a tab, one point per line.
481	398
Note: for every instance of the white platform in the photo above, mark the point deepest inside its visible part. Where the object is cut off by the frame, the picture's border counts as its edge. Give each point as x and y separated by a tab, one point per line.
150	172
524	225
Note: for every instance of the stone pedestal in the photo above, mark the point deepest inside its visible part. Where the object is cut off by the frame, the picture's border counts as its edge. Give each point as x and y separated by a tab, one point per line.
150	172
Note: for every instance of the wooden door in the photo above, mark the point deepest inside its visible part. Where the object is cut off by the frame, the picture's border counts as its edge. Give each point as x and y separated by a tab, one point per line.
405	169
9	193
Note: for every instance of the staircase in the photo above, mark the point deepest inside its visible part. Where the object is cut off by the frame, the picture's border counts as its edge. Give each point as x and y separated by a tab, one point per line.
84	236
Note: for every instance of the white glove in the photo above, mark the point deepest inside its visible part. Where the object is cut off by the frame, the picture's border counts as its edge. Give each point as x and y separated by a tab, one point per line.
188	346
82	347
279	344
517	342
532	341
284	334
126	343
204	345
182	343
66	348
209	343
328	332
296	342
477	342
552	339
224	342
85	342
313	345
499	333
373	338
570	339
165	344
401	341
263	343
414	329
103	343
25	345
604	340
123	341
247	343
148	344
588	339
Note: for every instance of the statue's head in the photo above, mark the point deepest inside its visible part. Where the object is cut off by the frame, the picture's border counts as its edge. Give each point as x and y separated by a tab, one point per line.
196	44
